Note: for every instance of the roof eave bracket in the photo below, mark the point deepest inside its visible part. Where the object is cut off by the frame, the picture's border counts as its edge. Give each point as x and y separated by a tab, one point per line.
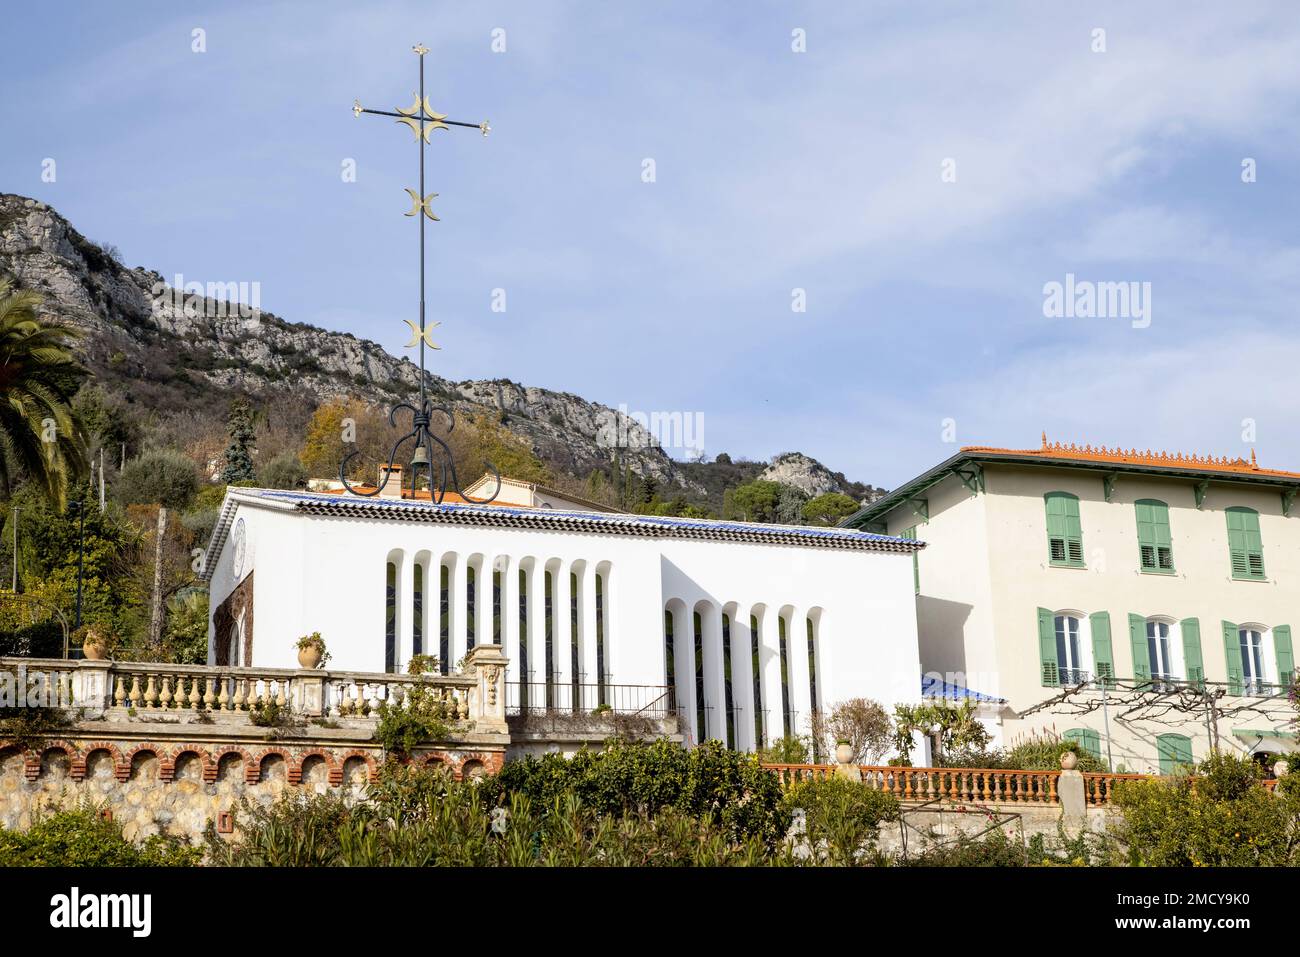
1201	490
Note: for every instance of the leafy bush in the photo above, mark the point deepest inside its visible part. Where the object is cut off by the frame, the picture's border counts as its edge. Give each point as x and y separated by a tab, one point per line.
420	718
791	749
842	818
162	477
1221	816
708	782
421	818
994	849
79	837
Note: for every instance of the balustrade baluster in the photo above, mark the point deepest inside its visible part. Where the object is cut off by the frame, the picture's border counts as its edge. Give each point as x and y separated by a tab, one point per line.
281	687
223	700
165	696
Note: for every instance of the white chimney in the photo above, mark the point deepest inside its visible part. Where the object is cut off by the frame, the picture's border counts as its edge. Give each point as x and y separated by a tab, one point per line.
390	481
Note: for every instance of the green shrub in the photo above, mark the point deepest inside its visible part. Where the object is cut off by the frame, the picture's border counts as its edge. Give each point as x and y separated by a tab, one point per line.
627	779
1221	816
79	837
791	749
1043	753
842	817
420	718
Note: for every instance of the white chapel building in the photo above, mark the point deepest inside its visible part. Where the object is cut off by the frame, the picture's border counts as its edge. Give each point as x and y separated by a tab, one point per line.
743	628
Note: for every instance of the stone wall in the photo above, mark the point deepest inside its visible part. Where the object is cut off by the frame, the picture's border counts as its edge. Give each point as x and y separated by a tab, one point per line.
154	785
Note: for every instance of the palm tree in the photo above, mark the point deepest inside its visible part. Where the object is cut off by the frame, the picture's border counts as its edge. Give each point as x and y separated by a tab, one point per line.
41	437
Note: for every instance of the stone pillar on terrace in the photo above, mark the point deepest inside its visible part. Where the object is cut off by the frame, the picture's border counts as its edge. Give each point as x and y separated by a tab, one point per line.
1070	792
684	670
458	585
487	664
536	638
796	651
769	657
562	647
92	687
742	680
715	688
483	600
586	637
405	604
510	615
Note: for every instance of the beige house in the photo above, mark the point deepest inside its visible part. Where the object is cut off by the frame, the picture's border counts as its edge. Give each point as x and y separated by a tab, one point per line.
1141	603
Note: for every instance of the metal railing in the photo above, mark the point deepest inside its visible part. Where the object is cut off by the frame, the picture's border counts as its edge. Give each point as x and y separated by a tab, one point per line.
547	697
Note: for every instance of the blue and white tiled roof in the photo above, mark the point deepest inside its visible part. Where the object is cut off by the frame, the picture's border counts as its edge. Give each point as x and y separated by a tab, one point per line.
506	516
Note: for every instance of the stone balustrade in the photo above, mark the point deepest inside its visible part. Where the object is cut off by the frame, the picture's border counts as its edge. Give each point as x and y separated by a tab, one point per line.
108	688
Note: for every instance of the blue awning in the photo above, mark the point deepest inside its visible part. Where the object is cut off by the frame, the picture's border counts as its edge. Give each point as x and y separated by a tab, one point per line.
934	687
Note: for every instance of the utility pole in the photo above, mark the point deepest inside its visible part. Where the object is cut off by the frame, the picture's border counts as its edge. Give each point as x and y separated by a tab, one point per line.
101	478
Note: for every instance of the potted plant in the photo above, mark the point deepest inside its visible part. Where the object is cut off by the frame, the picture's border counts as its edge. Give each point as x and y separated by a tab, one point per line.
94	643
311	651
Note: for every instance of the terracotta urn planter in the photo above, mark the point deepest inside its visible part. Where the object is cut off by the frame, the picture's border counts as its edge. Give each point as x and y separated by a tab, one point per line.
309	656
94	647
1069	760
844	753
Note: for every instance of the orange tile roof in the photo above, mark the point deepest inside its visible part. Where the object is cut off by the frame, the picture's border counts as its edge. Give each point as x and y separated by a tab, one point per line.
1171	460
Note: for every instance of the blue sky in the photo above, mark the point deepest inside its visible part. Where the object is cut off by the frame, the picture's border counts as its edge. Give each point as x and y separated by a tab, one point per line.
775	170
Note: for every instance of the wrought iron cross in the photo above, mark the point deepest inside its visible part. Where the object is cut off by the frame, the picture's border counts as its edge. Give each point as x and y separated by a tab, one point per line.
423	121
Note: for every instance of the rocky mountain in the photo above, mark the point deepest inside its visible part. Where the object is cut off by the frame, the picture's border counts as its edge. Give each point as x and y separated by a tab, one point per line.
813	479
174	349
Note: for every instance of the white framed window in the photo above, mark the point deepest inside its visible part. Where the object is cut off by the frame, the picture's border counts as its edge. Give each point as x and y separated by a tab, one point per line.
1164	649
1072	643
1253	645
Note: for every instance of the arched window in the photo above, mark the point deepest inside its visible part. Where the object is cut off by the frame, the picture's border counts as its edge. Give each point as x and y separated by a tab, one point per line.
756	671
549	609
726	680
700	729
390	620
785	677
524	674
670	665
471	596
1161	643
1254	669
1069	648
444	619
601	671
417	612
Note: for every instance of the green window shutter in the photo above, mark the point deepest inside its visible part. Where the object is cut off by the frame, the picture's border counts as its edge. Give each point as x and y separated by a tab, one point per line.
1232	654
1285	657
1193	664
1175	751
1245	544
1103	659
1064	531
1137	633
1155	543
1087	739
1047	648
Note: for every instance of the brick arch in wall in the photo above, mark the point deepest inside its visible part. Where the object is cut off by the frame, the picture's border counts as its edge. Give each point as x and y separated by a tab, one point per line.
125	763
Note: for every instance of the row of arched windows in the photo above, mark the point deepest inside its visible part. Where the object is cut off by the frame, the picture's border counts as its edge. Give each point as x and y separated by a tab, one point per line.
480	613
752	712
